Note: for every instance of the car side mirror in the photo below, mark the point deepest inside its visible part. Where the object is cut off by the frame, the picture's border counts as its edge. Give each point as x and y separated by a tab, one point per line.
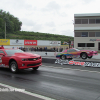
2	54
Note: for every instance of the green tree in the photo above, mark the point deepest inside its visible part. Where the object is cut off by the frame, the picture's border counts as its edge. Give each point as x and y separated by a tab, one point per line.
12	23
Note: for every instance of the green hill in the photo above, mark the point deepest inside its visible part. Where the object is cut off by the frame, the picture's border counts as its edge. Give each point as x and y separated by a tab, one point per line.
38	36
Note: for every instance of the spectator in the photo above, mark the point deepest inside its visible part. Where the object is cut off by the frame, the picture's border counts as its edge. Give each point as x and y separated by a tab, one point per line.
37	48
2	47
67	48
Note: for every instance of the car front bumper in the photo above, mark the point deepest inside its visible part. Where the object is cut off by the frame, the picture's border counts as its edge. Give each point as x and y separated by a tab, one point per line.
29	64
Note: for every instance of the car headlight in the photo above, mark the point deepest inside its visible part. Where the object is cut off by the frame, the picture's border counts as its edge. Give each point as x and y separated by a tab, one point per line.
24	59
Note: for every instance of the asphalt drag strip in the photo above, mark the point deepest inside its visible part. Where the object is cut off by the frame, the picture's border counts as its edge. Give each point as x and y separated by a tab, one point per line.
11	93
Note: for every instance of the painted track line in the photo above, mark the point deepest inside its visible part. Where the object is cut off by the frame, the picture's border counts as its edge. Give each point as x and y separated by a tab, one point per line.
72	69
28	93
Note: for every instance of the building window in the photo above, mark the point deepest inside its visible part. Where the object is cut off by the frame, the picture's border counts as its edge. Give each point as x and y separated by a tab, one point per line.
84	34
97	21
91	34
97	34
90	44
81	44
84	21
85	44
78	34
77	21
91	21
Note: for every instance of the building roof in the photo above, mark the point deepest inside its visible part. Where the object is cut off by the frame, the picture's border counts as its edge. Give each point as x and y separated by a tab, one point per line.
87	28
87	14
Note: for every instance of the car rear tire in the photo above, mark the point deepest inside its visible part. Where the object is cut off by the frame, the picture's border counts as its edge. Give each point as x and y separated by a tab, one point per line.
14	67
89	57
63	57
84	56
35	68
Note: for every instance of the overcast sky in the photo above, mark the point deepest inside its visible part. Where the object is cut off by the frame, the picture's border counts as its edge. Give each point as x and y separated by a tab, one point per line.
49	16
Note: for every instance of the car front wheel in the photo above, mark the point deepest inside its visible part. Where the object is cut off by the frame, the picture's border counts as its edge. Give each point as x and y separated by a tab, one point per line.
84	56
89	57
14	67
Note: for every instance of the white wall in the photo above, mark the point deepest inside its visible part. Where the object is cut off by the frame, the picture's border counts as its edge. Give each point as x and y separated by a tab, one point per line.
86	40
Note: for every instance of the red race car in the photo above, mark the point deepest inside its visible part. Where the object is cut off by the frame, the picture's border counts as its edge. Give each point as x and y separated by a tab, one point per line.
16	59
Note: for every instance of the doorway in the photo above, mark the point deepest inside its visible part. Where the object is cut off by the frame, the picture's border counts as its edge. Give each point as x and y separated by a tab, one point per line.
98	45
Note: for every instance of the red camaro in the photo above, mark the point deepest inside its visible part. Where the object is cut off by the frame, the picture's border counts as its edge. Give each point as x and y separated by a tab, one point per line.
16	59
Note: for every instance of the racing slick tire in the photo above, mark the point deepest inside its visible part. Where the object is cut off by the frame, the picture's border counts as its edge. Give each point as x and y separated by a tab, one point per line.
35	68
84	56
14	67
63	57
90	57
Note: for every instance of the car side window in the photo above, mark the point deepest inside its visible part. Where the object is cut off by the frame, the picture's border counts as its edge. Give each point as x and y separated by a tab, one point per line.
71	50
2	52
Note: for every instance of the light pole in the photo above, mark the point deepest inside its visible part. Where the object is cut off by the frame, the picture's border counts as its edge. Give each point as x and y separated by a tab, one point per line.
5	29
69	40
5	19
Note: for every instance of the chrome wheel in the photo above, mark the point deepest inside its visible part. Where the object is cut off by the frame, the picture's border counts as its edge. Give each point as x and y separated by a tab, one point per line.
63	57
84	56
14	67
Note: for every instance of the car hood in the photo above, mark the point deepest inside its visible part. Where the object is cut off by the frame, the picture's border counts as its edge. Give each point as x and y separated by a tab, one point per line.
26	55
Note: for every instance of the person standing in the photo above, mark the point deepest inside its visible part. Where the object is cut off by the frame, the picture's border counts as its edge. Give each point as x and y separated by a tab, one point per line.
2	47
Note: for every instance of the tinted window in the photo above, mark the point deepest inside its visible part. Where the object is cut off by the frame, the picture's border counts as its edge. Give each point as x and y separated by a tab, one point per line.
13	51
78	34
84	21
71	50
90	44
97	34
81	44
84	34
1	51
91	34
97	20
77	21
91	21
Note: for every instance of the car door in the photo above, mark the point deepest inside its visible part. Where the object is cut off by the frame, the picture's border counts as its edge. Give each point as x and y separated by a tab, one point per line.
73	52
1	58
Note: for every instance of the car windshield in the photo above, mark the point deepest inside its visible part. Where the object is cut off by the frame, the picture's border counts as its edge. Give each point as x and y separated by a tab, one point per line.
13	51
71	50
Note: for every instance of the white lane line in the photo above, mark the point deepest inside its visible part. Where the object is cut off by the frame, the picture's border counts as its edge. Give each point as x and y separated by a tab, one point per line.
28	93
73	69
46	66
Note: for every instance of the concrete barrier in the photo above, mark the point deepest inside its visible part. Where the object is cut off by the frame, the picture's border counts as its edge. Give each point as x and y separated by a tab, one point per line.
53	54
45	54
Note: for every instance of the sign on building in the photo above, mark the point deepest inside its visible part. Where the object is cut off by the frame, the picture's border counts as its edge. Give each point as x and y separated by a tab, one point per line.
4	41
16	42
55	43
43	43
30	42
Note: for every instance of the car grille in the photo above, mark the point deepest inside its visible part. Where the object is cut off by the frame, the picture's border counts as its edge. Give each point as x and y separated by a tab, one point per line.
32	59
33	64
95	53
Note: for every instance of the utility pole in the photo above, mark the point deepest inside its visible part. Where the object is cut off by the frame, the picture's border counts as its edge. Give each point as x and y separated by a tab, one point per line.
5	29
69	41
